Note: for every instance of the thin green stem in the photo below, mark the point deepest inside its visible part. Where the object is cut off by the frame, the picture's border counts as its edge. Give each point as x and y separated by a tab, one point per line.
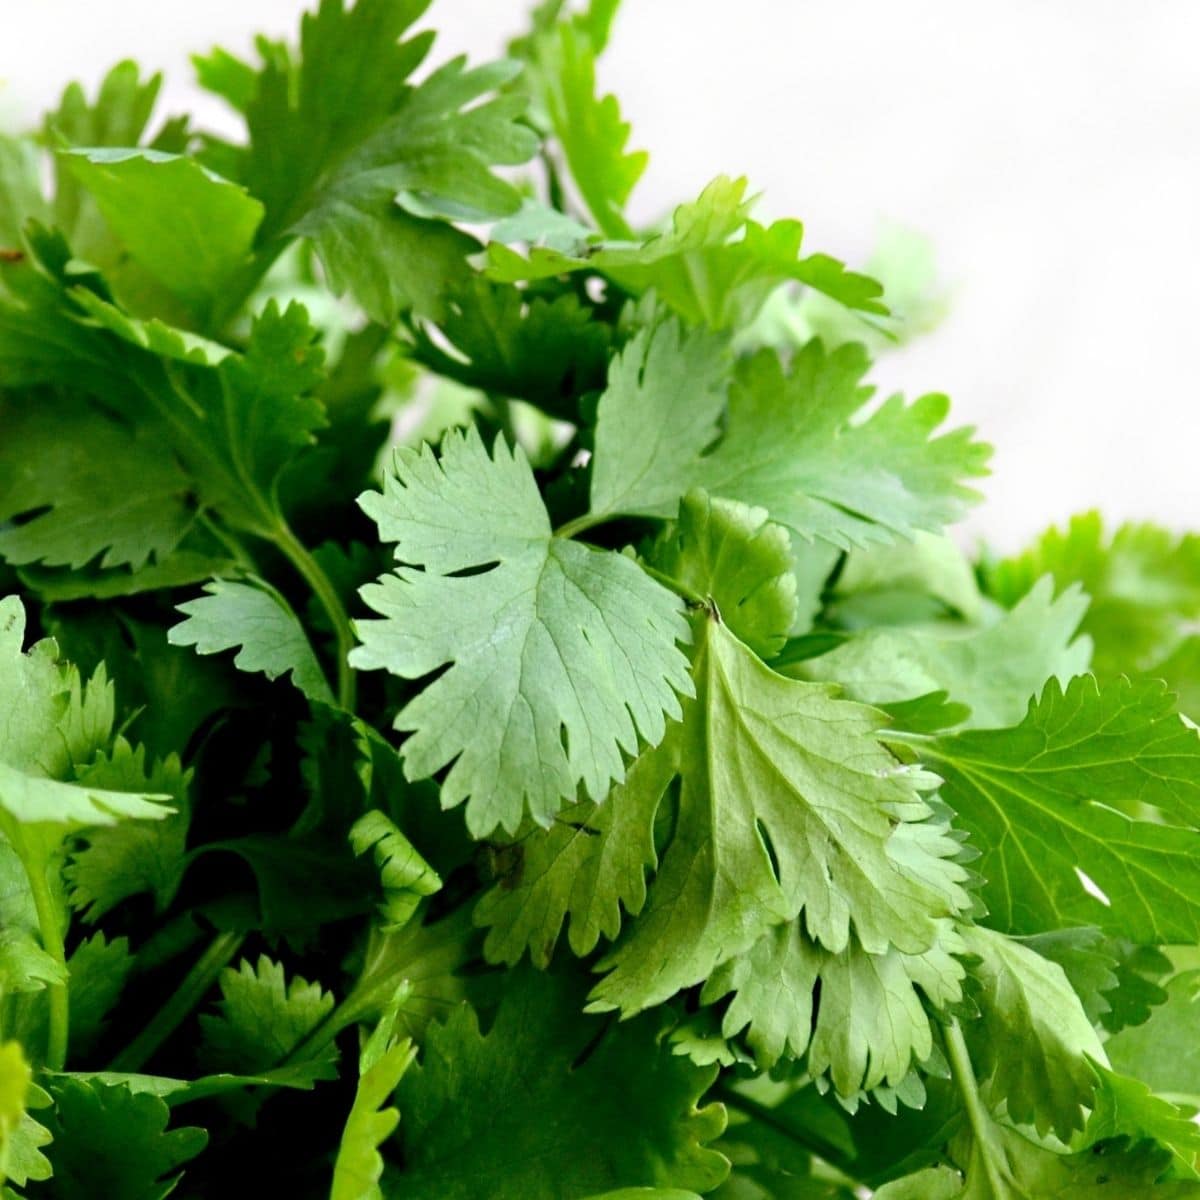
235	549
680	589
963	1075
299	556
181	1002
772	1119
579	524
50	926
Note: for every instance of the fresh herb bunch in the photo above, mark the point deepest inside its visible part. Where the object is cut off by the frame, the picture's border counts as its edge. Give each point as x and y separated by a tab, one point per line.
488	710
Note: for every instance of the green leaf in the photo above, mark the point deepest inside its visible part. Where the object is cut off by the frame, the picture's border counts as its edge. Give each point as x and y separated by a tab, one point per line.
16	1075
24	964
98	971
589	128
119	861
186	226
713	266
1063	794
263	1019
1026	1005
788	804
590	862
359	1165
860	1017
790	444
20	190
112	1142
88	485
406	877
547	352
622	1115
1164	1051
995	669
1144	583
1127	1108
666	391
562	655
257	621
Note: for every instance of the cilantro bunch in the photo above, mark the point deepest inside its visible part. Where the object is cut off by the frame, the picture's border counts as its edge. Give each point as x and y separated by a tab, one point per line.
488	708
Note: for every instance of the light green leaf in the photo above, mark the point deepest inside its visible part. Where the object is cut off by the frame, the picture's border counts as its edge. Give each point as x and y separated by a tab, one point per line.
666	392
1026	1004
870	1027
563	656
590	863
1062	794
256	621
186	226
994	669
1144	583
407	878
1164	1051
790	444
768	761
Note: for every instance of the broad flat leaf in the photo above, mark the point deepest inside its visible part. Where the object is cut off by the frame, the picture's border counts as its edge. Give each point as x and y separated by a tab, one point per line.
713	265
589	128
263	1018
1087	960
1164	1051
547	352
732	555
590	863
623	1115
92	488
1033	1040
406	877
98	970
768	761
666	391
1062	793
562	655
1125	1107
119	861
112	1142
870	1026
186	226
789	445
1144	583
359	1165
256	621
993	669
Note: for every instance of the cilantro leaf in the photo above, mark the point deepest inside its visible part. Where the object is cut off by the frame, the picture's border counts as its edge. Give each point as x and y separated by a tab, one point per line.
1144	583
1164	1051
21	1137
994	669
789	444
407	878
767	761
184	225
627	1116
713	266
113	1142
1025	1000
263	1019
259	623
860	1017
559	651
119	861
733	555
590	863
1061	794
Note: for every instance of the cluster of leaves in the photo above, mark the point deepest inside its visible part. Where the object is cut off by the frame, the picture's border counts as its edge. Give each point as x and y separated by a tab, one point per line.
488	707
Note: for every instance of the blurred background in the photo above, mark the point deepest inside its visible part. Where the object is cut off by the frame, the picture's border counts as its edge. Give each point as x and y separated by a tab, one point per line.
1049	153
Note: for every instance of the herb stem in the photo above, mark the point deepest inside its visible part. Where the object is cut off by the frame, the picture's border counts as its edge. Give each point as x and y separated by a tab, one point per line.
580	523
299	556
769	1117
968	1088
236	550
57	998
680	589
186	996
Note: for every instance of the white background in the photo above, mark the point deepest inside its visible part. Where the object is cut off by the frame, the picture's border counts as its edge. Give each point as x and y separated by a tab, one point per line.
1050	148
